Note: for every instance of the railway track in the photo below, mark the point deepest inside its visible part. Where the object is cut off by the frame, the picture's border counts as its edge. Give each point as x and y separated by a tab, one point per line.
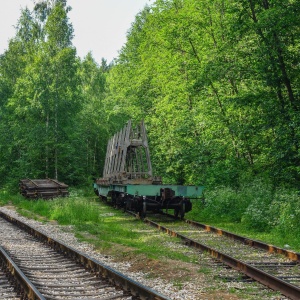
49	269
274	267
8	289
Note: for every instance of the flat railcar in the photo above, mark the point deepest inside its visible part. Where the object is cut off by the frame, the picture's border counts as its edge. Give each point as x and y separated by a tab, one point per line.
128	181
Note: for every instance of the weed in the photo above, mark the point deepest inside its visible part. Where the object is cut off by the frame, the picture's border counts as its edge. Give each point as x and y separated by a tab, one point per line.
178	284
205	270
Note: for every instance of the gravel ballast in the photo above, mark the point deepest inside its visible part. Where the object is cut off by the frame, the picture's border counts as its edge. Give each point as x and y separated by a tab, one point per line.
202	285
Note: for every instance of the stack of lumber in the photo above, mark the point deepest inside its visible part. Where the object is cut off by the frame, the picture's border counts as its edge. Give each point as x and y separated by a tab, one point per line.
42	188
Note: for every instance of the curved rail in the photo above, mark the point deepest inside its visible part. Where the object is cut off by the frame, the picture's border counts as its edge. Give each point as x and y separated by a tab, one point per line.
292	255
127	284
26	285
254	243
268	280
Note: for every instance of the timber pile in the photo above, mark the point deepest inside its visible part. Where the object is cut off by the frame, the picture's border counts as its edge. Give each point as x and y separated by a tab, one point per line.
42	188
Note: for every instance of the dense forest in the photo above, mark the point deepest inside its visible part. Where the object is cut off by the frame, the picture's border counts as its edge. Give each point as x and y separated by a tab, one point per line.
217	83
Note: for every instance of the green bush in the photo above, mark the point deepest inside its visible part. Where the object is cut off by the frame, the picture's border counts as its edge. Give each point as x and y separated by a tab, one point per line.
224	203
288	222
257	215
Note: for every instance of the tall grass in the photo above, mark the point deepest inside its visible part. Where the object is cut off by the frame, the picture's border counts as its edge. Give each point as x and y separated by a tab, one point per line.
73	210
6	197
256	209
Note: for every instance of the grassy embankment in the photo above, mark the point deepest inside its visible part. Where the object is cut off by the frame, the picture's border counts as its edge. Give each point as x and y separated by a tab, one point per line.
109	229
255	211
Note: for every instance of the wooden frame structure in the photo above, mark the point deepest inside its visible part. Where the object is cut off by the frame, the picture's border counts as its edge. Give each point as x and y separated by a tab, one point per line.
128	157
128	181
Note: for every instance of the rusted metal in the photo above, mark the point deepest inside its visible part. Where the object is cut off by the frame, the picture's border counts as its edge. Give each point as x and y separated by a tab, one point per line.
254	243
137	290
42	188
292	255
268	280
127	156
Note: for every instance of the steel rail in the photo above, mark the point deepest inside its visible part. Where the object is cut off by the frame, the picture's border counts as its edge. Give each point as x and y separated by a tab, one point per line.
254	243
287	289
26	285
129	285
292	255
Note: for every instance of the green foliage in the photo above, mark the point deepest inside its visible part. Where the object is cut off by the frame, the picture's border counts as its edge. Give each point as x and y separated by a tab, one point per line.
250	205
74	212
256	210
222	203
71	210
215	84
6	196
274	211
48	102
288	216
258	215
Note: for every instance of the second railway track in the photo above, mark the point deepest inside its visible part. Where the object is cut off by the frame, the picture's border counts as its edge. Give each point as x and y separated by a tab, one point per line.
280	272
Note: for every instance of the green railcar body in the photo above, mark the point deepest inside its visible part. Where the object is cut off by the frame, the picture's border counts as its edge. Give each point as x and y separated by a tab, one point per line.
187	191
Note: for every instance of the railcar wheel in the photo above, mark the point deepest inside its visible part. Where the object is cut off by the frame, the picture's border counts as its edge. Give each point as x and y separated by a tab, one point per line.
126	204
178	202
129	204
182	210
144	210
176	212
114	199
